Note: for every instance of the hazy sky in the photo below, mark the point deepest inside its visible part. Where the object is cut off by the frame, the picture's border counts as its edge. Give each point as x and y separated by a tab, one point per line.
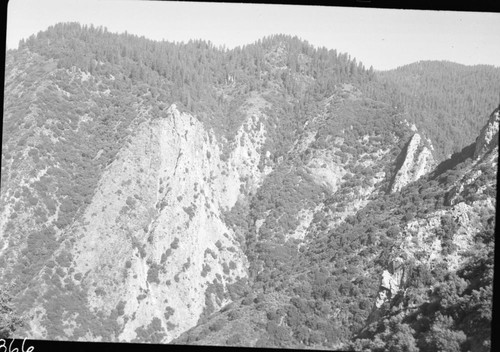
379	37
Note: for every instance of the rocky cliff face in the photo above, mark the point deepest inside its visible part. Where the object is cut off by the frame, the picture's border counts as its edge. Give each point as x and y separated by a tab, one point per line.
444	239
152	240
488	138
172	216
417	161
407	265
422	243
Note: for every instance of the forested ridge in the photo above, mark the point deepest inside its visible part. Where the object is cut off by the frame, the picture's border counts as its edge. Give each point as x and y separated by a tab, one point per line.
447	100
197	74
212	81
318	223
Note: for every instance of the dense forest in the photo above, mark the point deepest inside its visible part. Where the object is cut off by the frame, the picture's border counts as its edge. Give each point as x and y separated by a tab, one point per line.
212	81
206	80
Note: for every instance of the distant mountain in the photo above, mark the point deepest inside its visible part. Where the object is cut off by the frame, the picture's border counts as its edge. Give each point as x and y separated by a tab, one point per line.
270	195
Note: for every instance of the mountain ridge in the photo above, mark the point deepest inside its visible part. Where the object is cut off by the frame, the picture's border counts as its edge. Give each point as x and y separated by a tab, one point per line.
269	185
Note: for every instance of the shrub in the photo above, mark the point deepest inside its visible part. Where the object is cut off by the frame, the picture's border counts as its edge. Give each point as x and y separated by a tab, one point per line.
247	300
175	243
32	200
120	308
164	256
212	253
234	340
141	297
100	292
205	270
234	314
190	211
169	311
130	202
218	244
260	298
153	273
225	268
186	265
218	325
142	251
271	315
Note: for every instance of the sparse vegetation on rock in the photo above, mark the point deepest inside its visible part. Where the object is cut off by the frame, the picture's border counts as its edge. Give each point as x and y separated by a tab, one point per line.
271	195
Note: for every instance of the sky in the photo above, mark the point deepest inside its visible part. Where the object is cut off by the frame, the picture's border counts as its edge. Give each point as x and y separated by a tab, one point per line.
382	38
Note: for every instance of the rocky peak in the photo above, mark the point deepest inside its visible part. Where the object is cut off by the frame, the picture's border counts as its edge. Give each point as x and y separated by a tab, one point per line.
417	160
488	138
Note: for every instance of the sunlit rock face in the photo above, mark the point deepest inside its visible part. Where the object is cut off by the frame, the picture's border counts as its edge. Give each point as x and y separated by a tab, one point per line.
488	138
418	161
153	238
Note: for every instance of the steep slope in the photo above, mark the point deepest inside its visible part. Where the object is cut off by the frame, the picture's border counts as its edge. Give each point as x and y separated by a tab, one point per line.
110	201
164	189
444	99
455	244
153	207
488	138
261	195
410	270
417	161
47	177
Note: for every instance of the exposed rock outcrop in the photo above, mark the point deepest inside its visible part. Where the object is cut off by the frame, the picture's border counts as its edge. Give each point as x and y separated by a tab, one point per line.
417	161
474	181
422	243
425	242
159	208
326	170
389	287
488	138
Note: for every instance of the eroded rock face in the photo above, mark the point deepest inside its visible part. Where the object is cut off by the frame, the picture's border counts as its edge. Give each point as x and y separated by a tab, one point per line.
488	138
388	288
470	182
153	238
326	171
426	242
421	243
418	161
